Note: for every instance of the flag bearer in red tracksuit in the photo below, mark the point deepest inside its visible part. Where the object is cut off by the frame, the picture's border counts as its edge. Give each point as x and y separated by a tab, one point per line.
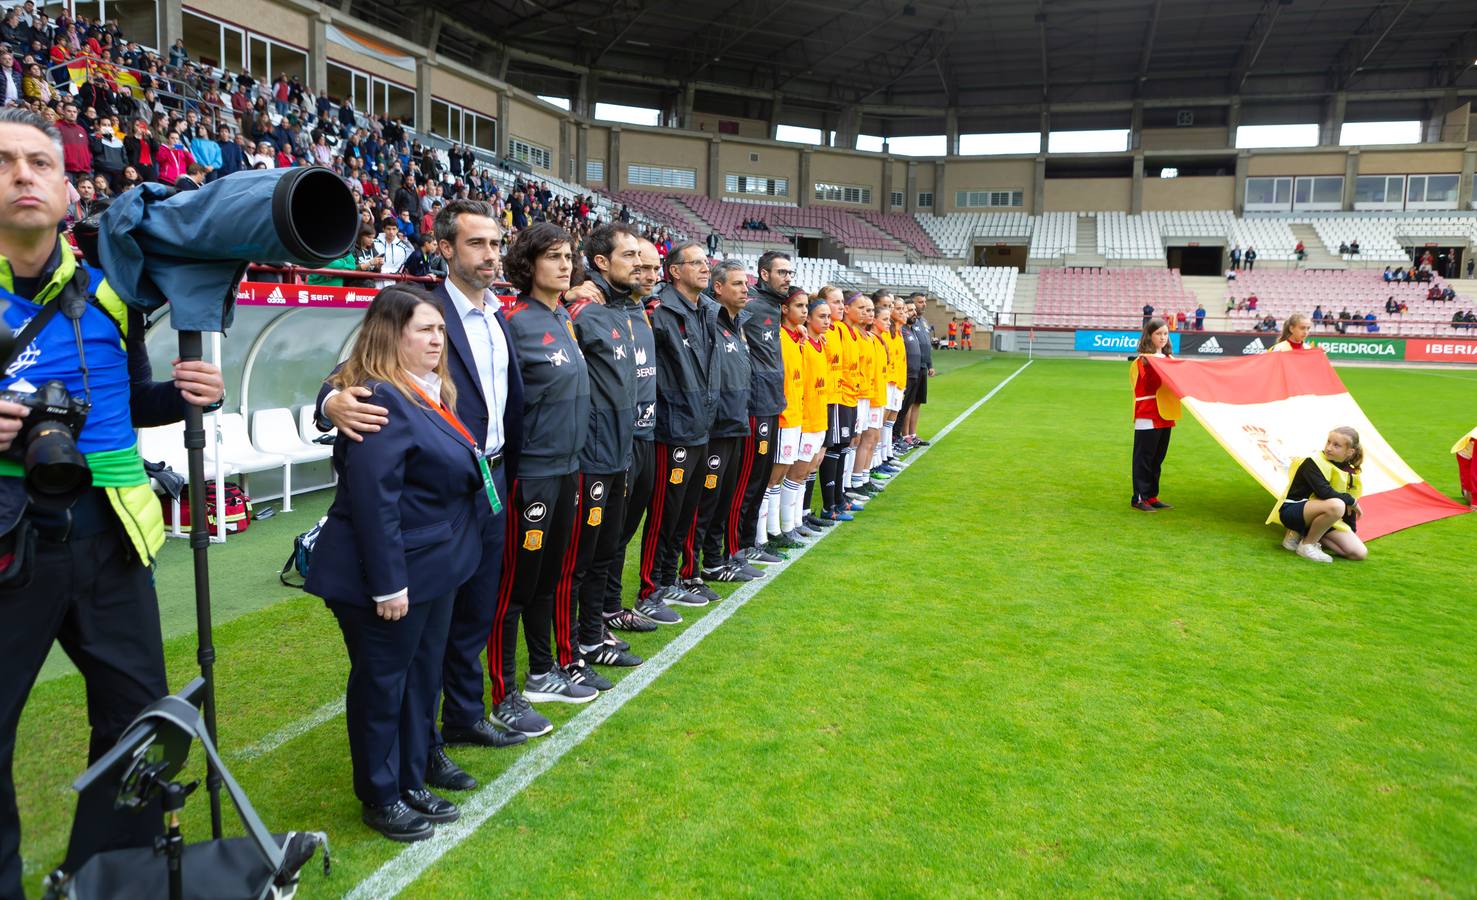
1152	420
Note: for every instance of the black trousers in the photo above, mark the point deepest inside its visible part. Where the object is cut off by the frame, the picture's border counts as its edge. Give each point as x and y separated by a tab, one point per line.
471	623
674	497
91	594
390	704
910	397
602	515
760	449
638	496
1149	448
714	507
541	529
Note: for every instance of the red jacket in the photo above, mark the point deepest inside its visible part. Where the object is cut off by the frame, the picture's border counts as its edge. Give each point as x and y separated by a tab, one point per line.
1145	397
76	149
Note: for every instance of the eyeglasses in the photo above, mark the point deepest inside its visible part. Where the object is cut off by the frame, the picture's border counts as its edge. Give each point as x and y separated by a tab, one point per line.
694	262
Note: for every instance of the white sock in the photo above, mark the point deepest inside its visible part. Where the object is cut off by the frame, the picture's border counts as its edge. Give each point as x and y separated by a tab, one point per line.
772	497
761	531
887	440
789	503
848	480
876	456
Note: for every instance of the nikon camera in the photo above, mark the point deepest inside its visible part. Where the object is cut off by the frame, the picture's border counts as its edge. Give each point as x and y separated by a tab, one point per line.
56	471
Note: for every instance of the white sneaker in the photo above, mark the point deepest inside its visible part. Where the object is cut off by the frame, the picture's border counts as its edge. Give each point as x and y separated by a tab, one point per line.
1314	553
1290	543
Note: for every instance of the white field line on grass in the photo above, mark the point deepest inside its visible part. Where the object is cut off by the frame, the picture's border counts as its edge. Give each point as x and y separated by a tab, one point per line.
405	867
293	730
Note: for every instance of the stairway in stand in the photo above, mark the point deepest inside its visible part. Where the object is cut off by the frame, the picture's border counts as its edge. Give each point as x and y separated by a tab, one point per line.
1318	255
1209	291
1023	302
1087	255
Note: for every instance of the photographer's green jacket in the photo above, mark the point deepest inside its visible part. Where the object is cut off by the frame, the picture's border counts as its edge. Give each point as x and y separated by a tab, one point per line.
122	392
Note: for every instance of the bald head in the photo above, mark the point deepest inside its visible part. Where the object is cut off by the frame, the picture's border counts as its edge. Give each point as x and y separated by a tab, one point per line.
648	272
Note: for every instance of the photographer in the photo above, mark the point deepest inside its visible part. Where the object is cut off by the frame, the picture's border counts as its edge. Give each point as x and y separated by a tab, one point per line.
74	564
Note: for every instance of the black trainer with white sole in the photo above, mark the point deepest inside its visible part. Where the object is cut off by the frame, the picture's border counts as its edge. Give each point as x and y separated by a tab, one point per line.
672	594
554	686
515	714
630	620
605	655
696	586
611	640
653	609
581	672
726	572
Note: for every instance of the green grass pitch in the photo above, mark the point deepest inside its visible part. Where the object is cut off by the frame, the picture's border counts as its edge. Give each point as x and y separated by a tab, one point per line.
999	679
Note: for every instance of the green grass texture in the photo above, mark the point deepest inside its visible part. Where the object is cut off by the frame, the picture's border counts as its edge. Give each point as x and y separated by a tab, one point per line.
1000	679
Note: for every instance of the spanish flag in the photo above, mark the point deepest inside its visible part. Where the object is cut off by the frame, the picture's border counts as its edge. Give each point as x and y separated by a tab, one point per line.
1269	409
85	68
1465	452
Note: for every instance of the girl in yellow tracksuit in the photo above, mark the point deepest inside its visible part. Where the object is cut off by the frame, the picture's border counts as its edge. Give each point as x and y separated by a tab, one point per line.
1320	505
851	400
872	387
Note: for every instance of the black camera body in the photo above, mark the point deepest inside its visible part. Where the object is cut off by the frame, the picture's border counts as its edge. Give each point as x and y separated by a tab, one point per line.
56	471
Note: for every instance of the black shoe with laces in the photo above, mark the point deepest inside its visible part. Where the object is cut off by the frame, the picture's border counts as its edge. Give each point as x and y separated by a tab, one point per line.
611	640
432	808
482	734
653	609
816	523
555	686
442	772
696	586
515	714
606	655
759	556
398	822
725	572
630	620
581	672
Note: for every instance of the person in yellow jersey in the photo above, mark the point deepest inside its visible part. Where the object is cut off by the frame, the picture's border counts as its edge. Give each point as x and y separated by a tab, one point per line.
784	498
873	388
848	335
891	334
1319	508
1295	334
815	407
840	415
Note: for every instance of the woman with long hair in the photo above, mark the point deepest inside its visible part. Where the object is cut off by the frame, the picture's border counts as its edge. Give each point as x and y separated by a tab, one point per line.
1294	333
1319	508
1153	417
402	536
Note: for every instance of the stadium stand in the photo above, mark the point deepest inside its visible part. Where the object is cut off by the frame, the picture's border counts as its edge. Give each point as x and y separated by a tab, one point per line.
955	233
1280	292
1055	234
1087	297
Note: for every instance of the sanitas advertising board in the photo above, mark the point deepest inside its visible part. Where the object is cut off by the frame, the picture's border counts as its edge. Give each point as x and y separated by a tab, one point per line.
1117	341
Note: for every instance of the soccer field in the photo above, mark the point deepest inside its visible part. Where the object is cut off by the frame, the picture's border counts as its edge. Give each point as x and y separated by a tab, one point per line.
999	679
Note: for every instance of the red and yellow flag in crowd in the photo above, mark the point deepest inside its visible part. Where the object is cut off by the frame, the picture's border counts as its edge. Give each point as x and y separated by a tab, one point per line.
1270	409
84	69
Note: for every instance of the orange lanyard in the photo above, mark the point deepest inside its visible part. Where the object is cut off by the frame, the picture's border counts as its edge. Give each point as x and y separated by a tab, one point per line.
446	414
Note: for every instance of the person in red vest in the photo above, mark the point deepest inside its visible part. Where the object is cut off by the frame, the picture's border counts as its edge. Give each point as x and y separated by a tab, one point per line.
1152	420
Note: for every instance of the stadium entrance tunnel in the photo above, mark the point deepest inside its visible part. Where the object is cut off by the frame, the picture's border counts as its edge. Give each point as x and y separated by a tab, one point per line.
1196	259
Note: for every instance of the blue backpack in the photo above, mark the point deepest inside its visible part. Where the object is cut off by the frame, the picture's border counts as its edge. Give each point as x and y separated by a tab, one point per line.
302	555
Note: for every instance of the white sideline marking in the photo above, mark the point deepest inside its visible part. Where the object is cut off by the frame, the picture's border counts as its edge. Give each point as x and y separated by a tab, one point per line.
331	709
405	867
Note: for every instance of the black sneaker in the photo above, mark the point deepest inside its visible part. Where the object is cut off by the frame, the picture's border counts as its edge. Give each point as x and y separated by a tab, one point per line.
611	640
554	686
630	620
671	594
655	610
759	555
787	541
726	572
774	549
870	489
606	655
855	494
741	563
516	715
696	586
581	672
804	530
816	523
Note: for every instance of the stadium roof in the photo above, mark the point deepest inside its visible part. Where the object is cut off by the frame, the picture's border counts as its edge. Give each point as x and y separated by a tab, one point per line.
904	65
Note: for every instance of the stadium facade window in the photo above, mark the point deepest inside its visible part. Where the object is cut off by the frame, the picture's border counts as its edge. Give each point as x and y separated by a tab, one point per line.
462	126
595	171
1002	144
223	44
872	143
1353	134
136	18
797	135
631	115
919	145
1250	137
898	199
532	154
1169	172
925	199
371	94
756	184
561	102
662	176
1268	194
1318	192
1379	192
842	193
989	199
1432	191
1104	140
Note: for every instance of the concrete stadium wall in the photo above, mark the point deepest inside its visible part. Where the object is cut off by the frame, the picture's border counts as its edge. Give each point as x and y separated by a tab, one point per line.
774	162
1410	162
1068	194
1185	139
1206	192
1314	163
1014	173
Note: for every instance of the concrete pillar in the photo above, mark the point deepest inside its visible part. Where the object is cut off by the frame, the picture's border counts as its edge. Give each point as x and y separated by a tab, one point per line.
1351	176
562	163
951	132
1243	161
1045	127
1136	126
910	197
582	153
615	179
1464	186
1136	193
807	186
776	109
685	107
423	67
847	127
504	127
318	53
1038	186
586	95
433	30
887	187
940	174
171	23
1333	119
1233	121
715	170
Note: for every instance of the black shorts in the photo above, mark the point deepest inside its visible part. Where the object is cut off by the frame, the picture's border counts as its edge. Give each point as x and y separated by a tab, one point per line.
1291	514
841	426
921	396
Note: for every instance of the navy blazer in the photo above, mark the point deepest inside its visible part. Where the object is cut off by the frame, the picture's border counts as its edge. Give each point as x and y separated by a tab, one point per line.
471	406
408	512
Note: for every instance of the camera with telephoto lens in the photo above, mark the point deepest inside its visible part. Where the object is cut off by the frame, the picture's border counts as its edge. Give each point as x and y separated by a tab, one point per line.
56	471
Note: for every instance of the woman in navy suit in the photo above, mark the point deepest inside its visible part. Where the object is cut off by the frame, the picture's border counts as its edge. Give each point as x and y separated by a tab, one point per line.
401	537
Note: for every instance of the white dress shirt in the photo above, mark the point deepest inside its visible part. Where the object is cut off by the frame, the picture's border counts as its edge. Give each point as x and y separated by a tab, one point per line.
490	353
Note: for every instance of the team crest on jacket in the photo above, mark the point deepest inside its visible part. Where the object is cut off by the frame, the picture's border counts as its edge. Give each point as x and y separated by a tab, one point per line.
678	475
597	490
679	454
714	461
535	512
710	482
533	540
548	338
763	448
558	357
596	514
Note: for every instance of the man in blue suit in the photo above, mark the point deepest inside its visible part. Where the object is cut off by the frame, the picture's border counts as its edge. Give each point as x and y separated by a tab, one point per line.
490	403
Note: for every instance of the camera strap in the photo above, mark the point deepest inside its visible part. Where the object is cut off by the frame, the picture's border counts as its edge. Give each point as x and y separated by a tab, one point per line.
28	334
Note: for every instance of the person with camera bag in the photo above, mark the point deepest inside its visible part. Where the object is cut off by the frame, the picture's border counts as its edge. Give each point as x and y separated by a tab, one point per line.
79	525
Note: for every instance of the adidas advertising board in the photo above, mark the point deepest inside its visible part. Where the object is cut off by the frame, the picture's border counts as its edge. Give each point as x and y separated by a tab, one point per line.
1116	342
317	296
1203	343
